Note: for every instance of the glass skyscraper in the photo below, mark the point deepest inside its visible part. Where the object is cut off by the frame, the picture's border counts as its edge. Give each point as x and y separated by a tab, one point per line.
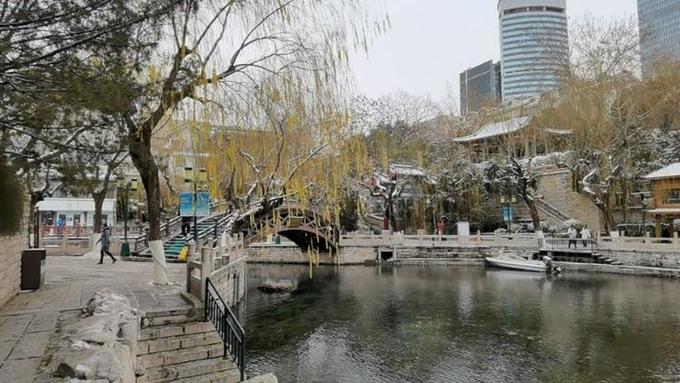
534	46
659	31
480	87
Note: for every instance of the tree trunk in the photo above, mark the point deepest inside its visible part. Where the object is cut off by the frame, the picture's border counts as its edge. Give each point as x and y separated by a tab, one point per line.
98	204
390	214
533	211
34	225
142	158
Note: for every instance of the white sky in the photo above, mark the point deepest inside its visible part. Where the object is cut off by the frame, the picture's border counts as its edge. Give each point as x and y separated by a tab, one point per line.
432	41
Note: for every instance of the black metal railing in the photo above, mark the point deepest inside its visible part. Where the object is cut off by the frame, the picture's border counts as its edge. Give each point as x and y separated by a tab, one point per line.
227	325
570	244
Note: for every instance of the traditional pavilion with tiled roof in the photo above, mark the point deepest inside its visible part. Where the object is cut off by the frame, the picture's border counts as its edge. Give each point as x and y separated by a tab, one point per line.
665	186
517	137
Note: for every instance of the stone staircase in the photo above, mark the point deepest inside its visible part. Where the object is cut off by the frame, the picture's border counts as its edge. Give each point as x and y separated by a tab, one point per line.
177	346
550	213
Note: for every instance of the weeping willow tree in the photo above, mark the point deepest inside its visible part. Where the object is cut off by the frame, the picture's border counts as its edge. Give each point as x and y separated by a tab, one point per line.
280	140
223	56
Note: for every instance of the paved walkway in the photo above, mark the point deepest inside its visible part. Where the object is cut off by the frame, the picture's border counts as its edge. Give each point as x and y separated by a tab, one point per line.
29	319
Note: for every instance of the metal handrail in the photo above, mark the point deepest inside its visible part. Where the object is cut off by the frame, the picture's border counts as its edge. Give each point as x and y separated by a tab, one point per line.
227	325
571	243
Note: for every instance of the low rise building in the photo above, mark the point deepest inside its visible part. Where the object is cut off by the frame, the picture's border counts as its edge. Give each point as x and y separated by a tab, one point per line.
665	209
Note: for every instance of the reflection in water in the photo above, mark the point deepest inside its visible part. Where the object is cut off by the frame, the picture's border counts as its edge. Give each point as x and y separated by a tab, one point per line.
422	324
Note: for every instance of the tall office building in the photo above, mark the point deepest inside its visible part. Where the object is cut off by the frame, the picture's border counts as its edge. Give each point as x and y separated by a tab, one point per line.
480	86
659	31
534	46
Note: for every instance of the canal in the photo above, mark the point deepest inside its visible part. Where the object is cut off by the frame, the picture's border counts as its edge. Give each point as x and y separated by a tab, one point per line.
462	324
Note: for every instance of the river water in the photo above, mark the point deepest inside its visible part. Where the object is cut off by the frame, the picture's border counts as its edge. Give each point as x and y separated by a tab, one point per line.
462	324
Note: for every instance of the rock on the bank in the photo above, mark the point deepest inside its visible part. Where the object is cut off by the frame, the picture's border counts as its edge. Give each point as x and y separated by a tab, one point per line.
102	344
282	286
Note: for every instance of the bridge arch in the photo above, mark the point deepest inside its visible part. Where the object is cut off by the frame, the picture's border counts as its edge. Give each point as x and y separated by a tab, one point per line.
303	226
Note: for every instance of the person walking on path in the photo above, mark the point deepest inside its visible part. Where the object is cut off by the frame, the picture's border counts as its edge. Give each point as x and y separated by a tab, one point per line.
585	236
105	239
571	233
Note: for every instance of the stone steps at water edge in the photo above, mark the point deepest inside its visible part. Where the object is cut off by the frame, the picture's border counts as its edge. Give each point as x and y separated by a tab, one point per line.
181	355
151	346
176	346
207	370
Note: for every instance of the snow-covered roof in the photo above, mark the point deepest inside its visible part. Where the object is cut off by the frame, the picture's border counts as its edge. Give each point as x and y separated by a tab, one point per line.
74	204
407	170
664	211
670	171
496	129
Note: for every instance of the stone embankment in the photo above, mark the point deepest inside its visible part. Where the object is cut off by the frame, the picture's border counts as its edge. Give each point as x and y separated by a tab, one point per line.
100	345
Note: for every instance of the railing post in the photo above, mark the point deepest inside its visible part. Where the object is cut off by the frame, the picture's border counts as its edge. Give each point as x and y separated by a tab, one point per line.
675	238
204	293
242	357
225	326
206	267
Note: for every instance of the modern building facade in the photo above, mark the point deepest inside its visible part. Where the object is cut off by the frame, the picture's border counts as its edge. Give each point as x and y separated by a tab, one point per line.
480	87
659	32
534	46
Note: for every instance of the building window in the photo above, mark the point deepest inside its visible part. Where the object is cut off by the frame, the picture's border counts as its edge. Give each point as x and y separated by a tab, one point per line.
674	196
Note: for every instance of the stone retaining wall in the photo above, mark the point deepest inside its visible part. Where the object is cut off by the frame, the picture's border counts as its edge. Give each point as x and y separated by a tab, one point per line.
557	190
616	269
231	281
10	266
293	255
357	255
447	253
669	260
10	260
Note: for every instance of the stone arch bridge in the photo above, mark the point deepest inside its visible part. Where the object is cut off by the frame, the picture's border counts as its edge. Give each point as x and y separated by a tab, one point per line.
304	226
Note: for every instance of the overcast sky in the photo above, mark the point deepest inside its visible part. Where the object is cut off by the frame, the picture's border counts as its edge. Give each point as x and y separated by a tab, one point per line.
432	41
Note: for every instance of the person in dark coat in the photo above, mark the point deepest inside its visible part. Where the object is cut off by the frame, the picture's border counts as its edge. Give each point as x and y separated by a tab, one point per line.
105	239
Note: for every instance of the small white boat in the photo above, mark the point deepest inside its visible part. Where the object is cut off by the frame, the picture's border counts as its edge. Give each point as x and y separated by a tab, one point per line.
516	263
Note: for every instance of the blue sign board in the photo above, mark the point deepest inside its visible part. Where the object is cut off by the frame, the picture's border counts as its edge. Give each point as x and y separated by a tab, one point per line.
507	214
203	204
200	207
186	204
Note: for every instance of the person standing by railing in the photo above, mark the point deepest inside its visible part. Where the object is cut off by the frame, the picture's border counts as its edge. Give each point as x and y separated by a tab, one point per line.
585	235
571	233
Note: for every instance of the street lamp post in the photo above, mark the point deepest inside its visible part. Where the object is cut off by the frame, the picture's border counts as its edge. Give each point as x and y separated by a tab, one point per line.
195	207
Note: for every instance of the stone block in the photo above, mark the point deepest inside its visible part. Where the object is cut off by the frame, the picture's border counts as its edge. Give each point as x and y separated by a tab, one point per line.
30	346
43	322
152	360
19	371
197	327
169	331
160	345
183	356
5	348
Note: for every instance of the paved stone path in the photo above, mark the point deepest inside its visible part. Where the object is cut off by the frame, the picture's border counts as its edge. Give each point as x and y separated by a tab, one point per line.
28	320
